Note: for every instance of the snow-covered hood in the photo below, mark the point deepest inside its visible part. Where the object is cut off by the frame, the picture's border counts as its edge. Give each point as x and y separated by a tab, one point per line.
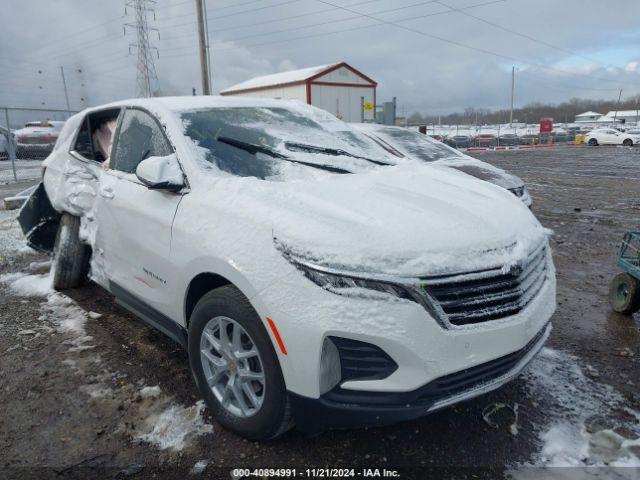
483	171
415	220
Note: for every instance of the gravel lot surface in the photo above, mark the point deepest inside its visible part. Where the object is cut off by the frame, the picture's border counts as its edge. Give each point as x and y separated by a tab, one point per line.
26	170
89	391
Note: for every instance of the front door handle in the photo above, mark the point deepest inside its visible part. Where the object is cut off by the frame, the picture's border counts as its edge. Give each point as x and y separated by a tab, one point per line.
106	192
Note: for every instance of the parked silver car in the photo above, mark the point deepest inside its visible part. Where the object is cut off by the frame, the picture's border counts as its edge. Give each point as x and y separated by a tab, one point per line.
36	139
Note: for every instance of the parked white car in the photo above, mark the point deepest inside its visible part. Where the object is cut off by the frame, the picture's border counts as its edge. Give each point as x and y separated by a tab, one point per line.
611	136
6	136
313	277
406	143
36	139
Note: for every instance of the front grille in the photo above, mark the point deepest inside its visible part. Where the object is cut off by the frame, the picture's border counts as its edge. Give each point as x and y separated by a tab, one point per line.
479	297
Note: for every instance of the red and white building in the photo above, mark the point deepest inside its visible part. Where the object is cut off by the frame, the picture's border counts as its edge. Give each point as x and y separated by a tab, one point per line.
337	88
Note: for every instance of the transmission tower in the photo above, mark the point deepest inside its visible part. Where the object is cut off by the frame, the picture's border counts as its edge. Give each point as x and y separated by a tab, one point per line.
147	78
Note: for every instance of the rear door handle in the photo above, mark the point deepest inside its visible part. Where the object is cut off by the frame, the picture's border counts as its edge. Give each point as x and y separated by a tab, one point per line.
106	192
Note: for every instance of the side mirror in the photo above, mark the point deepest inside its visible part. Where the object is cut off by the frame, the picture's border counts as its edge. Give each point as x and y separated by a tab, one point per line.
161	173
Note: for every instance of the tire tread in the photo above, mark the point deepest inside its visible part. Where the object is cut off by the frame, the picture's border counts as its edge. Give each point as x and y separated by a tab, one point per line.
71	256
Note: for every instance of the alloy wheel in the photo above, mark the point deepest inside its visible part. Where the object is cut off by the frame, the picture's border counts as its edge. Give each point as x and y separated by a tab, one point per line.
232	366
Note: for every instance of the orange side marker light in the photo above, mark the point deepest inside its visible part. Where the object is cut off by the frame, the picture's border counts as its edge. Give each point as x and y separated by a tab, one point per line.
276	334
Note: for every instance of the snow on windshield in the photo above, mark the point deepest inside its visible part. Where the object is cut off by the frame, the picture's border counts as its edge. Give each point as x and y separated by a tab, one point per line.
279	143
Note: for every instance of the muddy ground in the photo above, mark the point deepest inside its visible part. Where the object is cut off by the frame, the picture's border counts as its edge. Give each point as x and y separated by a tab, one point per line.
73	369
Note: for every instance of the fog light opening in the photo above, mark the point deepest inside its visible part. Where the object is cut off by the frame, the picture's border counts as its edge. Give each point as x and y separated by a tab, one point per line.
330	367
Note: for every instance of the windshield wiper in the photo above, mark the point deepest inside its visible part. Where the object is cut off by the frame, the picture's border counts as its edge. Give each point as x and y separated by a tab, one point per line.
253	148
385	145
250	147
302	147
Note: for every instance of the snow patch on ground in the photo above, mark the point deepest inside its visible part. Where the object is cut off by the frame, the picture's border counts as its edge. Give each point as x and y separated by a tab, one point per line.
199	467
174	426
12	240
35	266
147	392
585	417
97	391
25	285
66	314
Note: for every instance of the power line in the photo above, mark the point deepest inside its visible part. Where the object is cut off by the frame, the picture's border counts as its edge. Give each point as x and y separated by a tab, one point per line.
514	32
452	42
217	9
287	2
275	20
330	22
388	10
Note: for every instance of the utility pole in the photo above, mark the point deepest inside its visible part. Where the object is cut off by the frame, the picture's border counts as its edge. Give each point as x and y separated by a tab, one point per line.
204	64
64	84
513	84
147	78
206	35
615	115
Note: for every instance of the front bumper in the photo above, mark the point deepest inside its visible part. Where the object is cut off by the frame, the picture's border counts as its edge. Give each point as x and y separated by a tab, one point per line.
33	149
351	408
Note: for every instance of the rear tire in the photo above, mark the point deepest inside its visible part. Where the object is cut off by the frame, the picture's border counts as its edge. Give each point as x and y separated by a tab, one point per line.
627	142
70	256
593	142
624	294
273	417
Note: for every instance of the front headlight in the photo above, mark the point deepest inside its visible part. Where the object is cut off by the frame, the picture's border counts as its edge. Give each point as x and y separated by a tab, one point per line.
342	284
361	285
518	191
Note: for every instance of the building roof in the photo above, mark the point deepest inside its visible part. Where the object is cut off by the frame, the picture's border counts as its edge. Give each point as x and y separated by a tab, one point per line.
622	113
291	77
589	114
608	119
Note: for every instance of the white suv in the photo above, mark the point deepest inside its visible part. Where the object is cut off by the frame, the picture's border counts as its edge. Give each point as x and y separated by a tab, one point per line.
314	278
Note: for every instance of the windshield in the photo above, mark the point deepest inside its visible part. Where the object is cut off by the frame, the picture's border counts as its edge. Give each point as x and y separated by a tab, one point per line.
415	144
276	143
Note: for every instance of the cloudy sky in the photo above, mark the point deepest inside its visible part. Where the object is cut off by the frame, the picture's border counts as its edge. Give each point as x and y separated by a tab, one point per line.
435	56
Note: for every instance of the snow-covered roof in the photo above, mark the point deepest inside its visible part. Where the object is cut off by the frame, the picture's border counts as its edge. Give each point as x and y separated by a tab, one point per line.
622	113
282	78
608	119
189	102
589	114
292	77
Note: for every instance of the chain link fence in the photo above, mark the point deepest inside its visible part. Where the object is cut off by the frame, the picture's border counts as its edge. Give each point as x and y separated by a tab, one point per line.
27	136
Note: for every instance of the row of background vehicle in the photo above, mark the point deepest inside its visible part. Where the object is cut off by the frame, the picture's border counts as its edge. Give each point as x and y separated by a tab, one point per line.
459	136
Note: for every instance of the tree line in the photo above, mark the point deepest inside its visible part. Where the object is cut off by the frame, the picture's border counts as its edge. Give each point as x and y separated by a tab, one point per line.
530	113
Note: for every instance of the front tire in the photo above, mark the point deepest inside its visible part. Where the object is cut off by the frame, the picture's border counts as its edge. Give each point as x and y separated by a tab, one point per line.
70	256
627	142
593	142
624	294
236	367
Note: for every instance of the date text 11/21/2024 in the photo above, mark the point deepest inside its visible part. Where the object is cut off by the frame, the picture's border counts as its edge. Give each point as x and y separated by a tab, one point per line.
239	473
